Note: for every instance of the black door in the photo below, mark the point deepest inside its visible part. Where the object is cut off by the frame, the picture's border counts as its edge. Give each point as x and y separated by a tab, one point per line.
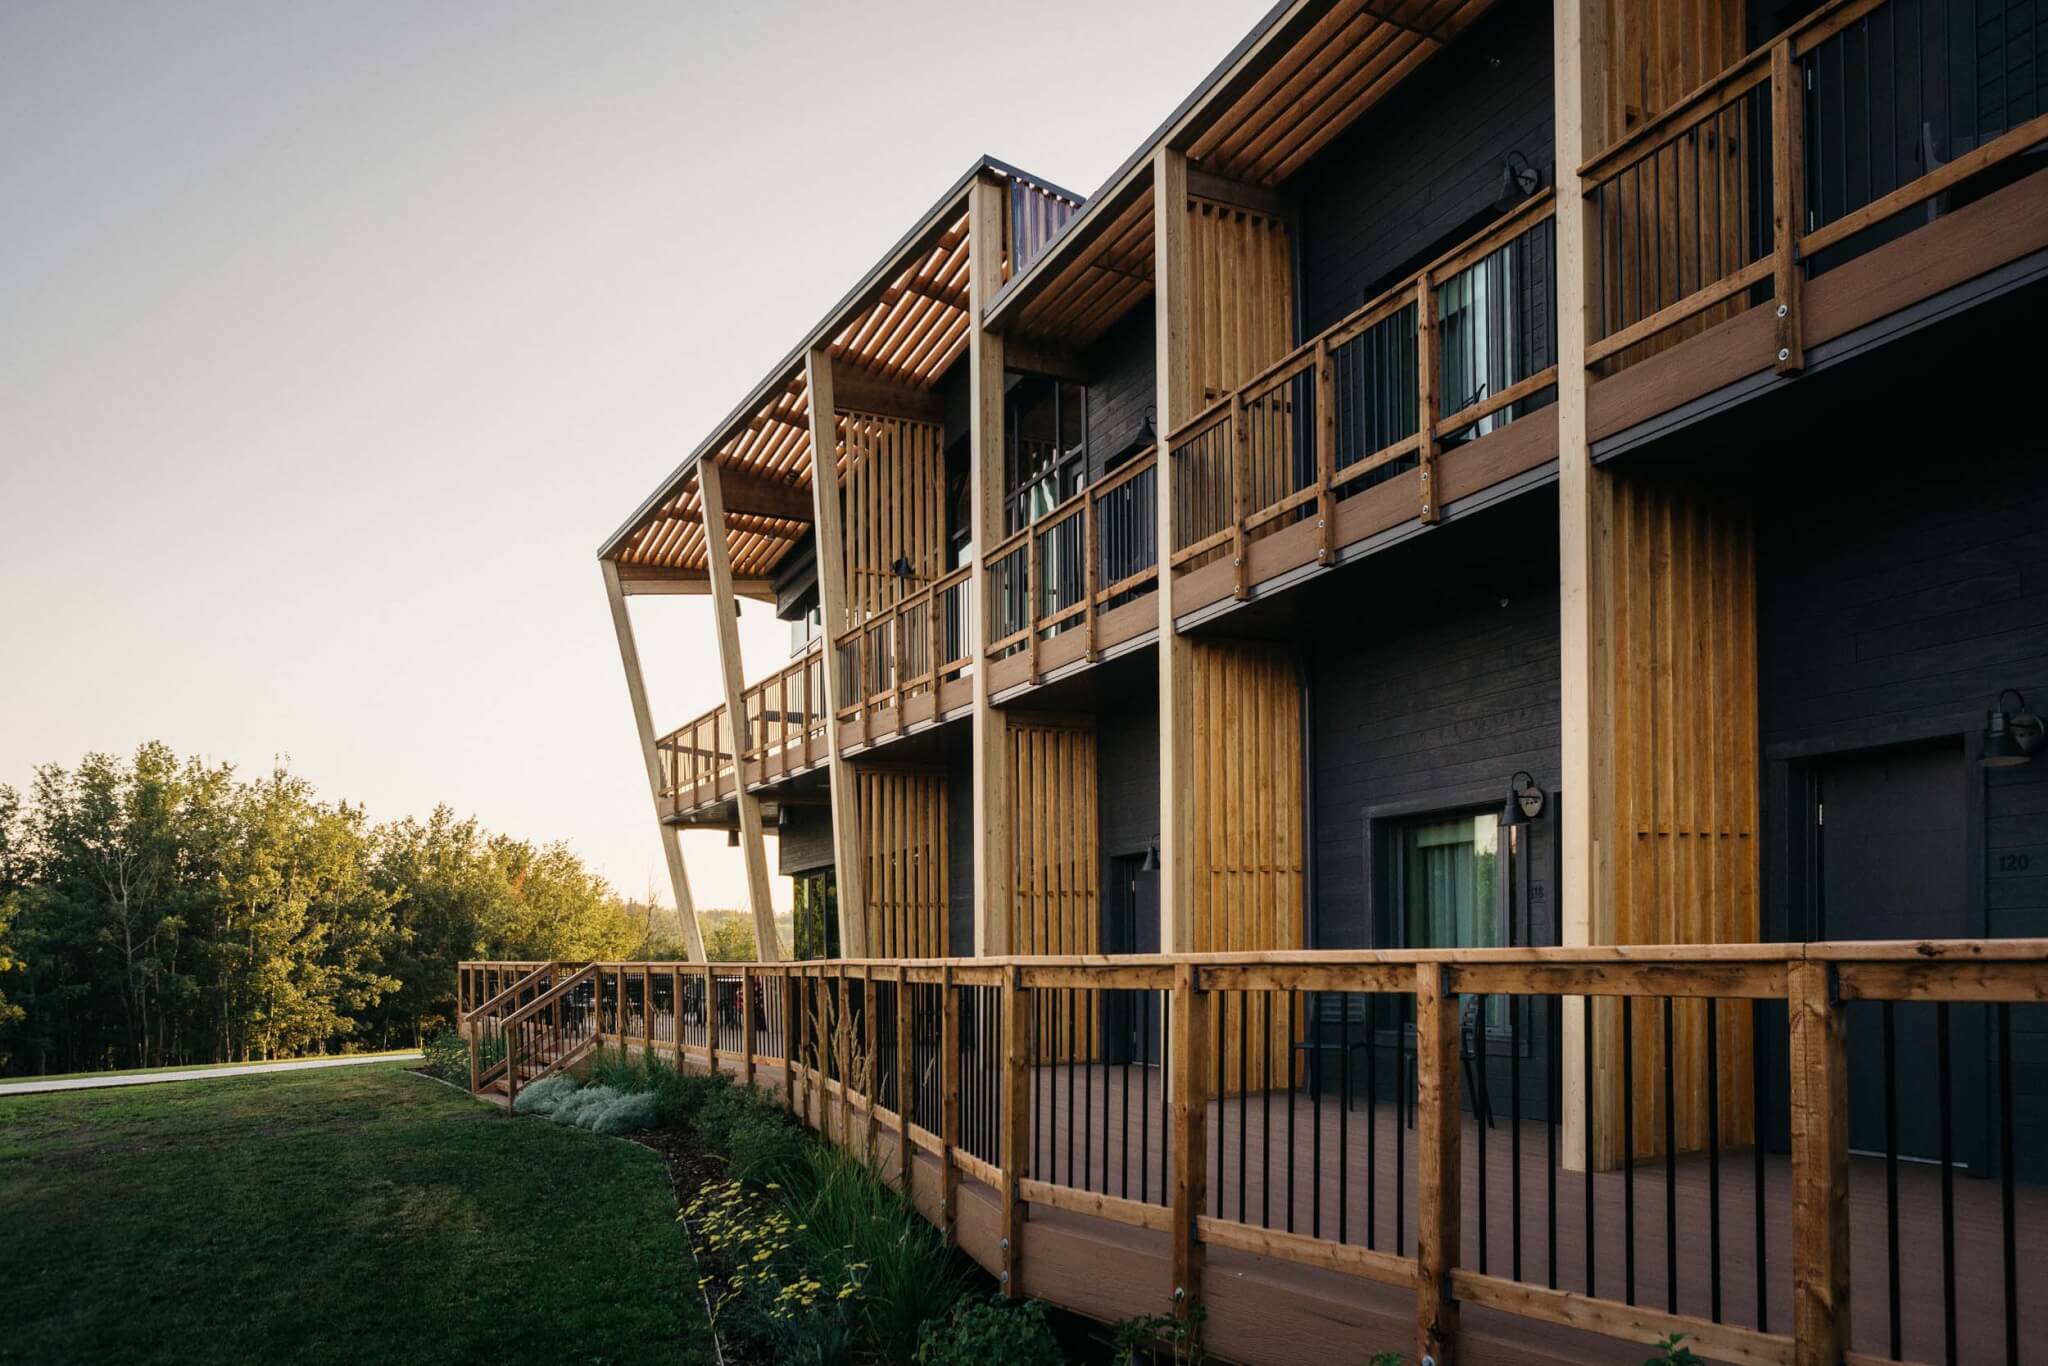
1889	834
1131	925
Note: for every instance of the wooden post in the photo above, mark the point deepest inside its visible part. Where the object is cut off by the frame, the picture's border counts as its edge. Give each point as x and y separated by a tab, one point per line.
1820	1168
949	1103
988	211
647	1010
1788	203
904	1077
475	1064
790	1033
1034	581
619	1011
747	1026
1326	455
643	722
1437	1167
1190	1133
1426	366
725	616
1240	494
1173	309
898	643
826	514
675	996
1016	1136
1091	533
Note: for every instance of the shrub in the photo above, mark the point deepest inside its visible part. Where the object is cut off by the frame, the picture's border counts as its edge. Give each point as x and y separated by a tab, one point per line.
628	1112
762	1145
980	1331
572	1106
446	1055
545	1095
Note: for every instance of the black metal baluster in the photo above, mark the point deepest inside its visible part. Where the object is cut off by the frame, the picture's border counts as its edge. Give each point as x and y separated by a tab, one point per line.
1887	1014
1401	1005
1144	1004
1244	1095
1315	1081
1479	1113
1553	1091
1586	1140
1628	1149
1266	1110
1670	1160
1948	1187
1072	1051
1343	1129
1756	1123
1165	1102
1124	1177
2005	1183
1713	1160
1219	1010
1515	1008
1372	1119
1293	1056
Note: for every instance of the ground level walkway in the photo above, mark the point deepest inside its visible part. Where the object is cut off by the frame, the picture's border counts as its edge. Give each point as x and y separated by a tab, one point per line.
97	1080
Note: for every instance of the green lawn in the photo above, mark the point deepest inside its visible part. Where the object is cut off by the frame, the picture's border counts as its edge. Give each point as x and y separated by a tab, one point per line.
356	1215
193	1067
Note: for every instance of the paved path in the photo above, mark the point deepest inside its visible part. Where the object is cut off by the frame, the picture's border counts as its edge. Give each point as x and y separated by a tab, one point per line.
23	1088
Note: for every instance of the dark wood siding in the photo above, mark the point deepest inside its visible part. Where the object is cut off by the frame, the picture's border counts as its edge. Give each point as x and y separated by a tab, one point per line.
1427	159
960	842
803	842
1448	688
1120	391
1127	785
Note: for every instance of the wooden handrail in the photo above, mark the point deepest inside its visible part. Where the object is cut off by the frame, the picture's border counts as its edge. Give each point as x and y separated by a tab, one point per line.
513	990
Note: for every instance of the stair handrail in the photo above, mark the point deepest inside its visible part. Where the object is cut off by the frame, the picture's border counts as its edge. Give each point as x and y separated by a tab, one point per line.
550	996
512	991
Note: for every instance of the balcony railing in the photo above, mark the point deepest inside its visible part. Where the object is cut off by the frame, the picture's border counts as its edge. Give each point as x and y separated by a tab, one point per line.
909	649
1789	159
1091	554
1463	346
784	735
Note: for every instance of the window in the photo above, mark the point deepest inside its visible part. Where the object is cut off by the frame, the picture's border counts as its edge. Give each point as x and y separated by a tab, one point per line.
1046	451
1480	328
816	926
805	630
1451	896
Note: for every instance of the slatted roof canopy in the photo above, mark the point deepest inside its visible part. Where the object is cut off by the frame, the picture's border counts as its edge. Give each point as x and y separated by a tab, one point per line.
900	329
1309	71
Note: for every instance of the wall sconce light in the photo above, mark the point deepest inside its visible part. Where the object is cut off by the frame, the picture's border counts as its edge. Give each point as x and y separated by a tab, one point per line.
1518	179
902	568
1151	861
2010	739
1524	803
732	838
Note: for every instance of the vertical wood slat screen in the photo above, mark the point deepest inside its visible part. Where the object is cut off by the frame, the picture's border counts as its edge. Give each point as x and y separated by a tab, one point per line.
1245	704
895	492
1056	860
1687	213
903	831
1683	860
1242	278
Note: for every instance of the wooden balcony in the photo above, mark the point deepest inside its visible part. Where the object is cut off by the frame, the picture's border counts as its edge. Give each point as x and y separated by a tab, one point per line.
907	666
1337	1154
1805	199
785	735
1350	435
1076	583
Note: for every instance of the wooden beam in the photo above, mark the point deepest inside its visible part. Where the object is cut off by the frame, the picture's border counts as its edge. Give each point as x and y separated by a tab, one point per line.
725	615
1236	193
856	394
994	817
1188	1021
749	492
1438	1170
643	725
1175	400
689	583
847	854
1044	358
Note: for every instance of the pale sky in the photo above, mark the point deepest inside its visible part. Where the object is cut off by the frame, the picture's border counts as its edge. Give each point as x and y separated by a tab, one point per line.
334	338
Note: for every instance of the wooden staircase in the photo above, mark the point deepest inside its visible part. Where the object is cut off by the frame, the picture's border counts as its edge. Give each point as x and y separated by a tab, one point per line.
544	1022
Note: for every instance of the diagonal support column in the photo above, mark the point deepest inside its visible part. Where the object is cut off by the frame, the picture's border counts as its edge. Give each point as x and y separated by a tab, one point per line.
643	723
725	613
847	861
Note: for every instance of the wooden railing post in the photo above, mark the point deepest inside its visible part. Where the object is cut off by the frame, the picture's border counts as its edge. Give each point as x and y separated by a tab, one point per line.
1240	493
1427	365
710	1018
1820	1168
949	1102
1034	580
1016	1119
1788	202
791	1031
898	645
1326	454
675	996
904	1079
475	1063
747	1027
1190	1134
1437	1167
647	1010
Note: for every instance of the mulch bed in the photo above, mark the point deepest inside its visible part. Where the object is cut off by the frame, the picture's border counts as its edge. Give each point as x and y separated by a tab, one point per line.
690	1168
